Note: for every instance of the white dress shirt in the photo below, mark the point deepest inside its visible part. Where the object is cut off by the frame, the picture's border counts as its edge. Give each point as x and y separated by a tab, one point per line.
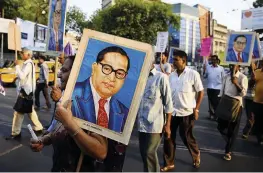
184	89
44	73
215	76
96	99
230	89
166	67
24	75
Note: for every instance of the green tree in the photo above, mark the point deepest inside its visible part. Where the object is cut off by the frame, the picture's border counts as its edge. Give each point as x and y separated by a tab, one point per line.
76	19
32	10
135	19
258	3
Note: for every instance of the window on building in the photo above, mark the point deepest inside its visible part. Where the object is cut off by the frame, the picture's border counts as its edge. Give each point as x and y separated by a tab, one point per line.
216	43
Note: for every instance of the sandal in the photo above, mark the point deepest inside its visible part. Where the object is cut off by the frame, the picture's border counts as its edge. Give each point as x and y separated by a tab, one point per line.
227	157
167	168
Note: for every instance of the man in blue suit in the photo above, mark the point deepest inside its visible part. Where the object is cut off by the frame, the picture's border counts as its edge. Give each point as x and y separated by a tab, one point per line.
236	53
94	99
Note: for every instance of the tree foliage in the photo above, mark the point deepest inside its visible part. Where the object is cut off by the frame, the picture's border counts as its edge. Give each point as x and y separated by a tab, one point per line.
76	19
32	10
258	3
135	19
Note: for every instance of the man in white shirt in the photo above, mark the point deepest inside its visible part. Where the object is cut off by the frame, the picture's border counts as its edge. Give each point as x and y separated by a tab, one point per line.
157	100
185	85
28	84
234	86
164	66
215	75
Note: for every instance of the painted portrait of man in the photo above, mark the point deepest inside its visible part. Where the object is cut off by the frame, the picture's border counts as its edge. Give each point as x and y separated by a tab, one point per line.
95	97
237	52
56	25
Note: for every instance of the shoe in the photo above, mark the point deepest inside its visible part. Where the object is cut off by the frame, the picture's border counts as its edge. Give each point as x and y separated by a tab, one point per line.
45	107
245	136
227	157
167	168
37	108
13	137
197	161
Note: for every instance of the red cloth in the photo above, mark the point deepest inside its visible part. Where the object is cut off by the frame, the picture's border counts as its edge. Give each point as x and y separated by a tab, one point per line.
102	119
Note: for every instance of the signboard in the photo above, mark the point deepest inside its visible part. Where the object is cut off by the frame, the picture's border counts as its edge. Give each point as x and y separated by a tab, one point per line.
5	24
206	46
162	40
28	33
14	37
257	52
252	19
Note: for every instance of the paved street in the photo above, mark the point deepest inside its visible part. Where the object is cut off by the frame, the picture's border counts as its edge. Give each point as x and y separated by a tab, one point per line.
16	156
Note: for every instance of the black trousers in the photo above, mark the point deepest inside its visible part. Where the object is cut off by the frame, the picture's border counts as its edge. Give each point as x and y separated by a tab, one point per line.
185	125
250	117
42	87
213	100
258	112
229	131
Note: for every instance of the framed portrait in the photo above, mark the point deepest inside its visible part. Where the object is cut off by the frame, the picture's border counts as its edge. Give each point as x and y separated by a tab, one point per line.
107	82
257	50
56	25
239	49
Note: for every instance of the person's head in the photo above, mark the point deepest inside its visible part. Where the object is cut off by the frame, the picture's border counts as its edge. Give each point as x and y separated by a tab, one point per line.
214	59
179	59
240	43
110	71
61	58
65	71
164	57
57	14
42	59
26	54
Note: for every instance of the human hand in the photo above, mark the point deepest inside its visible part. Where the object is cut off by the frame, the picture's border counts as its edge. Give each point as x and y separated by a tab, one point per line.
55	93
167	131
196	114
234	80
64	114
36	145
16	62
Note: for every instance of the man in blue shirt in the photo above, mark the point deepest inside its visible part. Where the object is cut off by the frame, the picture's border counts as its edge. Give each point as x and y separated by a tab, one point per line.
157	98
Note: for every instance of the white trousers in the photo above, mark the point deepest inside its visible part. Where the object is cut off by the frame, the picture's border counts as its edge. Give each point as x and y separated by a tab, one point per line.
18	121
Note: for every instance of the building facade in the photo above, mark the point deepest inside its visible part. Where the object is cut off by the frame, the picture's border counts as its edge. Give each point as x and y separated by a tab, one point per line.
188	36
219	38
205	21
107	3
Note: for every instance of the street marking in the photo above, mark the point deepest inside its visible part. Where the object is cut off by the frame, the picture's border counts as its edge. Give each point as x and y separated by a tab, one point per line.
203	150
10	150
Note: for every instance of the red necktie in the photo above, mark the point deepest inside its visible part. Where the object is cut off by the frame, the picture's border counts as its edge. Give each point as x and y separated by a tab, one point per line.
102	119
239	57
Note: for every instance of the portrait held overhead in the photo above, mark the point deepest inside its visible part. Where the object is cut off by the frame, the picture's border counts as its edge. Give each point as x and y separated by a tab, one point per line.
57	17
240	48
107	82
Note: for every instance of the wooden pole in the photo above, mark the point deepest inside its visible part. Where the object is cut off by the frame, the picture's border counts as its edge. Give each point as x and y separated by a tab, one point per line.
56	72
81	157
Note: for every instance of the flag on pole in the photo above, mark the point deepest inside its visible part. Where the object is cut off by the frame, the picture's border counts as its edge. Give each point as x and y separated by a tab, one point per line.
2	89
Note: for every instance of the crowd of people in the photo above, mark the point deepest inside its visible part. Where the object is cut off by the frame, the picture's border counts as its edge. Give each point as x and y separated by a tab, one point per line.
171	100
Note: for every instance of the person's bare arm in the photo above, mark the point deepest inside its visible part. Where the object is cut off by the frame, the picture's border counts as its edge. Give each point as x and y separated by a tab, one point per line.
91	144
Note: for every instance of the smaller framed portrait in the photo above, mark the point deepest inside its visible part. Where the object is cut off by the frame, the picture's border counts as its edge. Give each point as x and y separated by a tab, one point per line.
239	49
107	82
257	50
